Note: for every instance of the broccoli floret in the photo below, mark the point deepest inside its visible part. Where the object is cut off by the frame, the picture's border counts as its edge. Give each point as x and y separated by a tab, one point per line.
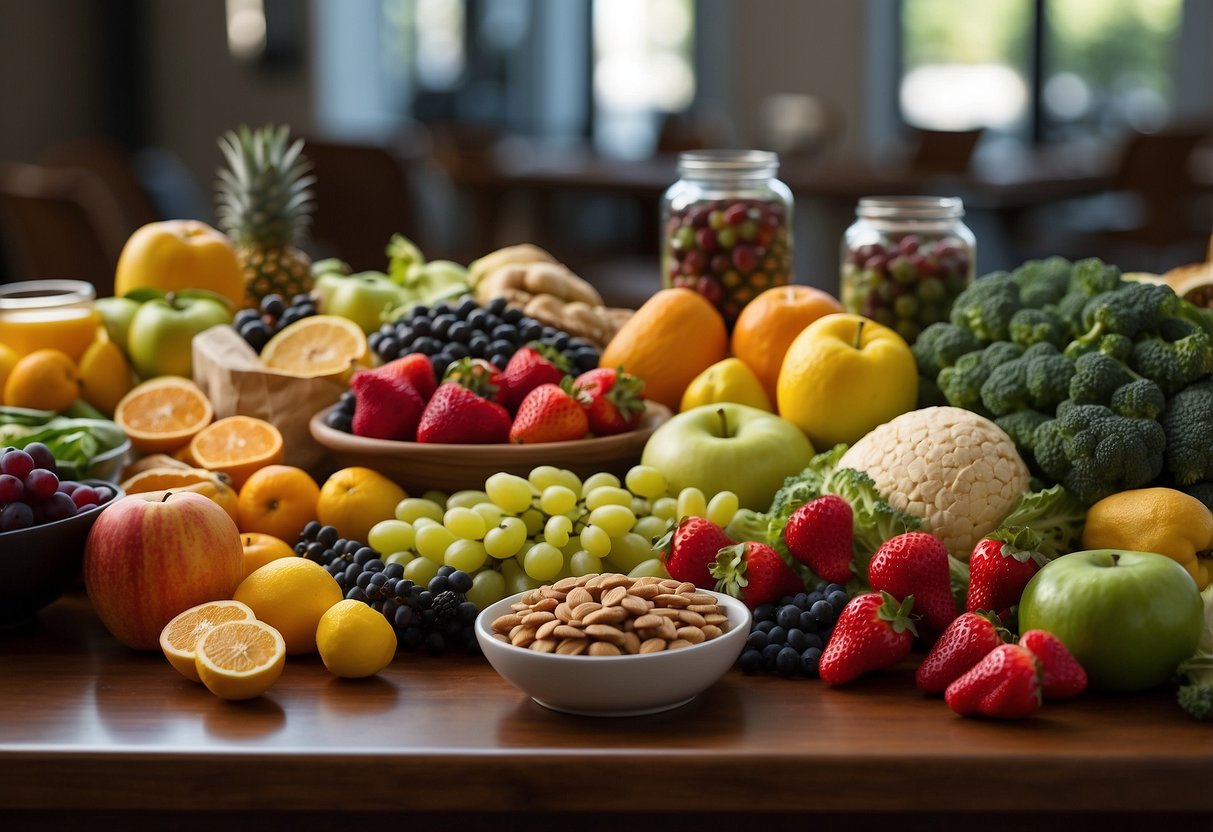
1043	282
1048	376
940	345
1139	399
1006	388
1189	431
1068	310
1174	364
961	383
1035	326
1130	311
1021	427
986	307
1094	452
1113	345
1096	378
1092	277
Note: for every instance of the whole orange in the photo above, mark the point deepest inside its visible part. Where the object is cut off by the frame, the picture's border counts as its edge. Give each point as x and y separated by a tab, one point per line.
354	499
769	324
260	549
673	337
278	500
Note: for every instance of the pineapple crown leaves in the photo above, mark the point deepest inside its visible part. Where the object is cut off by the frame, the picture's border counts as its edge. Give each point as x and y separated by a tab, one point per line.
264	194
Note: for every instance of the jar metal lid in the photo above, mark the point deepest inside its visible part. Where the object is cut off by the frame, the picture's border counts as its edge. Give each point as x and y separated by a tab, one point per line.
728	162
910	207
44	294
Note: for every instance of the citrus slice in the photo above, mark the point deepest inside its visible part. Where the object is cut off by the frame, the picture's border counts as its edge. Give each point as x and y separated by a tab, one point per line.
237	446
180	636
164	478
163	414
319	345
240	659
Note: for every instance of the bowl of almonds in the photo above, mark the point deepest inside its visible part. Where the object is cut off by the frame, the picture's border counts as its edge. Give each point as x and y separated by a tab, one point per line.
610	645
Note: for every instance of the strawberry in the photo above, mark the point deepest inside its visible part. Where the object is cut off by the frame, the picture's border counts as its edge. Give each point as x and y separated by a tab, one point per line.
1062	677
456	415
873	631
529	367
478	375
615	400
963	644
754	573
549	413
690	549
416	369
818	535
916	563
385	406
1000	566
1004	684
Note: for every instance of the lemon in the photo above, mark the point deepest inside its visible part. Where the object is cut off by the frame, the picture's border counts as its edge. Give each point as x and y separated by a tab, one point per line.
179	638
354	640
319	345
240	659
290	594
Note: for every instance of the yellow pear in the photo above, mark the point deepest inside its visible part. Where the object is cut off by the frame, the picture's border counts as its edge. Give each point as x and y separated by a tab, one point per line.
105	375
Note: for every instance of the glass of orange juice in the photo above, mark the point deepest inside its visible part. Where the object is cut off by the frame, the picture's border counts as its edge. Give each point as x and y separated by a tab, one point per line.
35	314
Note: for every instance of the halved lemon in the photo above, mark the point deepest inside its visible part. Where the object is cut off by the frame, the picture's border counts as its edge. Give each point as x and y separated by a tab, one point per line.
180	636
163	414
237	446
240	659
319	345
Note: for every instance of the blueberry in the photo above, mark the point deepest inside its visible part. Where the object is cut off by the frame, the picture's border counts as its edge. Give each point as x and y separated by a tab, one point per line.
751	661
459	332
388	345
405	335
505	332
823	612
769	653
419	310
777	635
306	310
809	660
301	298
499	360
549	332
764	612
788	616
272	305
477	318
288	317
491	321
256	334
531	331
244	316
466	307
460	581
801	600
561	341
477	345
838	599
512	315
814	641
756	640
441	308
808	622
441	325
765	626
796	639
497	305
457	350
440	361
422	326
788	662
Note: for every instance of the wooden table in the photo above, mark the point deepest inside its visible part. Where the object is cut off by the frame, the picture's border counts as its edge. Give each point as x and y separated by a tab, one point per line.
97	735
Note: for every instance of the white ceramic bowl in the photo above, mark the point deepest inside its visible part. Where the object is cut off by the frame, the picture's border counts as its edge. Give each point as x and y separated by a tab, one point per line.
615	685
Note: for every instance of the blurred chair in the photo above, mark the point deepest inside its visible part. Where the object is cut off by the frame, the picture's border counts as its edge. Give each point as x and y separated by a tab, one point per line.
943	151
60	224
110	162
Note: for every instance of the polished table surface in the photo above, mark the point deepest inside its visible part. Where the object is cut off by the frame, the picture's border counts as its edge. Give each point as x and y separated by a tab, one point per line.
88	725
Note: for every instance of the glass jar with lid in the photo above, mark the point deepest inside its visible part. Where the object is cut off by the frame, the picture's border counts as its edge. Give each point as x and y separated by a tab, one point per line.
727	227
37	314
905	259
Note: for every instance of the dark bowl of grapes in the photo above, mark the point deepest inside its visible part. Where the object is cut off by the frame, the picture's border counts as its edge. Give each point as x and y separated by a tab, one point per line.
44	522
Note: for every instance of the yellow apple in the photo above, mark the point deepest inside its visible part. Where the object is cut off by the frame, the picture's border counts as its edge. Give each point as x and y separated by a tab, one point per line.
844	375
180	254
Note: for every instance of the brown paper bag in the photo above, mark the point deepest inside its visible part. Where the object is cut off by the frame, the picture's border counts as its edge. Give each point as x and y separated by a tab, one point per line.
230	374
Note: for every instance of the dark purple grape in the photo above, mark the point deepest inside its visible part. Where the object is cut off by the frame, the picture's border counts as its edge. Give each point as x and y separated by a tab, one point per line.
11	489
42	456
41	483
60	507
18	463
16	516
104	494
84	495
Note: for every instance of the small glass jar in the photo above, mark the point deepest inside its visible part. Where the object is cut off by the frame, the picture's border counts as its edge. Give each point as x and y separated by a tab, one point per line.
36	314
727	227
905	259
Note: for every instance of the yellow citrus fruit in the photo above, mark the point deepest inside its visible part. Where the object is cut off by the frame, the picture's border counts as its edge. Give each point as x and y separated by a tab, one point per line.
8	360
843	376
172	255
317	346
278	500
180	636
354	499
105	375
260	549
290	594
163	414
45	379
240	659
769	324
354	640
237	446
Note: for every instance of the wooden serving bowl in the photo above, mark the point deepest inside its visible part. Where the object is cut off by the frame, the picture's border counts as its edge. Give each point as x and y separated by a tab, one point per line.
419	467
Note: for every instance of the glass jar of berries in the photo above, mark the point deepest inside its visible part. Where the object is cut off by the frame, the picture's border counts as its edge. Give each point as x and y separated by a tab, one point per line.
727	227
905	259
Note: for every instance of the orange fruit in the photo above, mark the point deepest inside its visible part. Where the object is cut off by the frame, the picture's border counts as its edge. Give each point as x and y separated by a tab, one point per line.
769	324
260	549
179	636
354	499
163	414
237	446
673	337
278	500
240	659
210	484
291	595
44	380
320	345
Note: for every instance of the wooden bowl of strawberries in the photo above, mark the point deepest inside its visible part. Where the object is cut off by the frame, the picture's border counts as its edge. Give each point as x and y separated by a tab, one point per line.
478	420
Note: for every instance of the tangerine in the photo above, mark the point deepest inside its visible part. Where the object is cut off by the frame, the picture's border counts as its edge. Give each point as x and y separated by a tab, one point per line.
769	324
278	500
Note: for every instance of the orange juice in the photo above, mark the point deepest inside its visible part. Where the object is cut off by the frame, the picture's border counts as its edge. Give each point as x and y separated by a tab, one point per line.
37	314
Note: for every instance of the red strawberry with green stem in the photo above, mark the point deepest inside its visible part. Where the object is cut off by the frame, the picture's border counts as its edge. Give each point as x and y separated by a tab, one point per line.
818	534
614	400
690	549
549	413
532	365
873	631
416	369
1000	566
385	406
964	643
458	414
754	573
1005	684
916	563
1062	677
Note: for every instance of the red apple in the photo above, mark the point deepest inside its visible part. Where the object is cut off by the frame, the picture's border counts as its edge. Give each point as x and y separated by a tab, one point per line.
151	556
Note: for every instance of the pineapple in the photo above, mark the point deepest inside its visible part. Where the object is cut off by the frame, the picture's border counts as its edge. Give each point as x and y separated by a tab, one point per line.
264	205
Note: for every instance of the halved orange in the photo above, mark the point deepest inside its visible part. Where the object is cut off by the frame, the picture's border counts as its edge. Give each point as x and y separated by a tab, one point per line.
240	659
319	345
163	414
237	446
180	636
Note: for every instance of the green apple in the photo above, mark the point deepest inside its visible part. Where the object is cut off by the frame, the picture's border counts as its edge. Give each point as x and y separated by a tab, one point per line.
728	446
1128	617
161	333
362	297
117	314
